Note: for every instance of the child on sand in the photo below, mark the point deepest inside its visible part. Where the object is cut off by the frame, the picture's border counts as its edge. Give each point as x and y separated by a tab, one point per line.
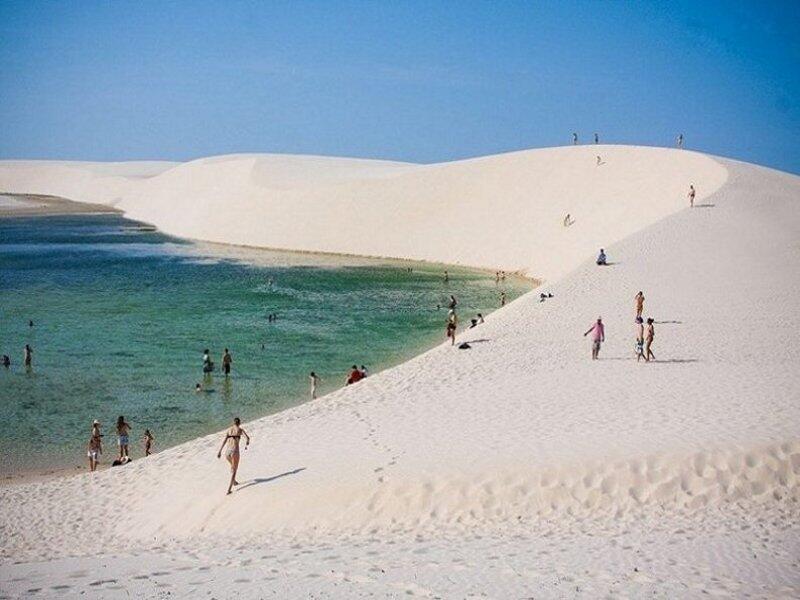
93	451
639	300
148	442
602	260
639	339
598	338
355	376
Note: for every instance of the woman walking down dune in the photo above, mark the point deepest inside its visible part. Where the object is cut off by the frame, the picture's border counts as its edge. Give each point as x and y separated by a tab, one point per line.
598	338
232	437
691	195
639	301
649	334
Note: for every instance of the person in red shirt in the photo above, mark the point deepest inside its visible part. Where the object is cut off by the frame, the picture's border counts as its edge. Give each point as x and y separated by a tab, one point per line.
355	376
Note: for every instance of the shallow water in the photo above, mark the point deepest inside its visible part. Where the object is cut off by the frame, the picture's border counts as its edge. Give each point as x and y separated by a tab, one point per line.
122	315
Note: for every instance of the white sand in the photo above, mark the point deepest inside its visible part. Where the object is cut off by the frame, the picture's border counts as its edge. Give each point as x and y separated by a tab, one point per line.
518	468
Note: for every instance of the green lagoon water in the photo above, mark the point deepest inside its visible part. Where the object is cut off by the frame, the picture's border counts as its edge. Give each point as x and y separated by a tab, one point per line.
122	315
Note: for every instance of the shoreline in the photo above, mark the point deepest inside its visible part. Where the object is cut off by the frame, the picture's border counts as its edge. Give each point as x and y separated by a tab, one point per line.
43	205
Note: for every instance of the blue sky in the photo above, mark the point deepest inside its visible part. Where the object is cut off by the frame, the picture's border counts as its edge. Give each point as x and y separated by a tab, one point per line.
418	81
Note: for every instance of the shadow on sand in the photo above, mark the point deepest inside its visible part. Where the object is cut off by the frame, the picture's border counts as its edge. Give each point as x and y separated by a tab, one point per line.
259	480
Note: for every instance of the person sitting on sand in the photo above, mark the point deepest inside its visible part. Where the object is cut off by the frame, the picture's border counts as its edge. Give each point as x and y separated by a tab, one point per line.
601	258
650	334
314	379
639	339
355	376
148	440
567	220
364	372
123	431
598	338
232	437
93	451
639	300
480	318
473	323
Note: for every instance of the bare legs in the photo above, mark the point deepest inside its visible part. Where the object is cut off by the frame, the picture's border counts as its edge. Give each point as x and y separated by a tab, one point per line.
233	459
648	354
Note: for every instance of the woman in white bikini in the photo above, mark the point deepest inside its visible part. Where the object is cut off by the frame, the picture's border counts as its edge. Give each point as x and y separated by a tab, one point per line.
232	437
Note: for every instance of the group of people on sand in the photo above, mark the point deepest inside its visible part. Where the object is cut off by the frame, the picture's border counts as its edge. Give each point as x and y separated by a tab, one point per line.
645	333
95	446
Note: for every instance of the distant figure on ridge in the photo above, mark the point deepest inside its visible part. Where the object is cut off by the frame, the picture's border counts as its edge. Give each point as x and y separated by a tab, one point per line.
639	301
691	195
601	258
596	138
639	339
679	141
27	356
314	379
148	442
650	334
355	376
598	338
574	139
232	437
227	359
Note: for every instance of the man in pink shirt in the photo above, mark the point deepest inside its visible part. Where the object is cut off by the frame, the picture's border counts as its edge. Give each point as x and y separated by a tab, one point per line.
598	337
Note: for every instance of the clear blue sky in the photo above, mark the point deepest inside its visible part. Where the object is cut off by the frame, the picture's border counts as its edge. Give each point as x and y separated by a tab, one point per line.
419	81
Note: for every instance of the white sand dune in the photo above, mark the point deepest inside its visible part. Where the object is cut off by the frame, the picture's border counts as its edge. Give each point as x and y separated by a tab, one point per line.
509	460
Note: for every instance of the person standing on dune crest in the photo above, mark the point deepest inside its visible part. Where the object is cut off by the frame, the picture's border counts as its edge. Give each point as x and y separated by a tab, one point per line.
598	338
574	139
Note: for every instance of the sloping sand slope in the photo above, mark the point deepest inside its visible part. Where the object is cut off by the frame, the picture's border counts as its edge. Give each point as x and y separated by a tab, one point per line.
523	429
499	212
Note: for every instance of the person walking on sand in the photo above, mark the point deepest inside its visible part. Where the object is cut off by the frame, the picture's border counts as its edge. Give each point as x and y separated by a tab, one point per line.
148	442
232	437
639	301
679	140
93	450
314	379
226	362
602	259
639	339
574	139
27	356
649	335
451	332
596	138
123	431
598	337
691	195
364	372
